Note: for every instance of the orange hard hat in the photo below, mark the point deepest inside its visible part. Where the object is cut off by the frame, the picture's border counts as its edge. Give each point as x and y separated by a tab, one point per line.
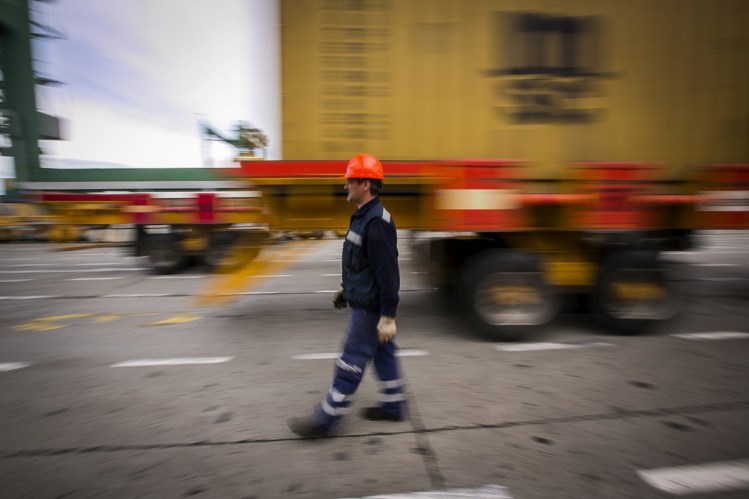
364	166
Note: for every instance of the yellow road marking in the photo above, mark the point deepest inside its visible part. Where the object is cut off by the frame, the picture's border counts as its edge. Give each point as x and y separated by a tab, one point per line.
49	323
58	318
60	321
221	286
107	318
177	319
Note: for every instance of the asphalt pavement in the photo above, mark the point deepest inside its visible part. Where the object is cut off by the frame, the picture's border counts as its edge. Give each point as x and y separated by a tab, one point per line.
115	383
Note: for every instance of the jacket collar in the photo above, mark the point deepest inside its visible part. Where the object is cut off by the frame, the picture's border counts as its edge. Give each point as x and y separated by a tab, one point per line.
364	209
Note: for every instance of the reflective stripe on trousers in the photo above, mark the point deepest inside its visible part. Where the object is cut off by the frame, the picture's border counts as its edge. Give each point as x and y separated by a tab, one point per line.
360	346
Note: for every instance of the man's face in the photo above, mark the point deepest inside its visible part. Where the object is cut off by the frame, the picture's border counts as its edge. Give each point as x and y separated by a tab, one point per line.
355	189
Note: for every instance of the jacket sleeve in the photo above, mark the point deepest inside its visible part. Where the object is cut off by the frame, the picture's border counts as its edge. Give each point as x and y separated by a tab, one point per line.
382	252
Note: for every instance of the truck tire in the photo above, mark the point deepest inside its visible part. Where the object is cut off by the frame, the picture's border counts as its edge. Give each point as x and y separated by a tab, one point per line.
219	245
504	294
633	292
165	253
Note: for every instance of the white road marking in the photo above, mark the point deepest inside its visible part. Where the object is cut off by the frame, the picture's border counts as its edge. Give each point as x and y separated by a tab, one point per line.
53	264
411	353
15	280
178	277
331	275
485	492
329	356
717	335
327	291
722	279
75	271
138	295
93	278
716	265
30	297
86	255
11	366
699	479
183	361
533	347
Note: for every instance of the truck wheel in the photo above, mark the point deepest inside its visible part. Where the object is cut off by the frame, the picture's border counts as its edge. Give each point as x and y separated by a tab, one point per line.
633	292
505	295
165	253
219	246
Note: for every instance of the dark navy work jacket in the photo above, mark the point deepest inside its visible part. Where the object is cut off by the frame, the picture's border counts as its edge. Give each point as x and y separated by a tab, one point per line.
371	278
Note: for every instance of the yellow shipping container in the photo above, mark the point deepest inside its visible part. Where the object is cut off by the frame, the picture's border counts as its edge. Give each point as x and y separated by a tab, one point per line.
549	81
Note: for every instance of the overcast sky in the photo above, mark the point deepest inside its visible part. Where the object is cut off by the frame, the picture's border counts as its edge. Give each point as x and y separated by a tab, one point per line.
138	75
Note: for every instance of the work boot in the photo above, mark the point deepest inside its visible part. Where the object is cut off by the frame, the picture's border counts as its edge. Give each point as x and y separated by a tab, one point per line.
378	414
307	427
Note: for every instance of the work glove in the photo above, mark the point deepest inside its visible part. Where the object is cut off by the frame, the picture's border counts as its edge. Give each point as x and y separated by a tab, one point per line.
339	301
386	328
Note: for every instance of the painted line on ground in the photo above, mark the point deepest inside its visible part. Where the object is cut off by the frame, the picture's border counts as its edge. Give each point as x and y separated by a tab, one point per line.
30	297
486	492
723	279
12	366
140	295
178	277
331	275
71	271
72	264
534	347
15	280
111	278
182	361
717	335
86	255
329	356
716	265
699	479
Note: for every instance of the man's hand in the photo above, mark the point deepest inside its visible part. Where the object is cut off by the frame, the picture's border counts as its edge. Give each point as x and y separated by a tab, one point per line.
386	328
338	301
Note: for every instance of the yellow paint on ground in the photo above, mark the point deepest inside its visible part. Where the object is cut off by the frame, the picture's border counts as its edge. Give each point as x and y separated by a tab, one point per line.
54	322
107	318
221	286
38	326
49	323
177	319
58	318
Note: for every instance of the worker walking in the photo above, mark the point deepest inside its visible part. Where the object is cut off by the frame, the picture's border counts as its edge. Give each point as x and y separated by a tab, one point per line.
371	281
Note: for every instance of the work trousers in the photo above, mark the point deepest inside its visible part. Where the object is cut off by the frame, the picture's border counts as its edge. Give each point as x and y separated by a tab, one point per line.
360	346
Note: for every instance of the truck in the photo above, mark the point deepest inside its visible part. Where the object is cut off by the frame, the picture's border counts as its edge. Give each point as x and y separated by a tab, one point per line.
508	249
622	128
